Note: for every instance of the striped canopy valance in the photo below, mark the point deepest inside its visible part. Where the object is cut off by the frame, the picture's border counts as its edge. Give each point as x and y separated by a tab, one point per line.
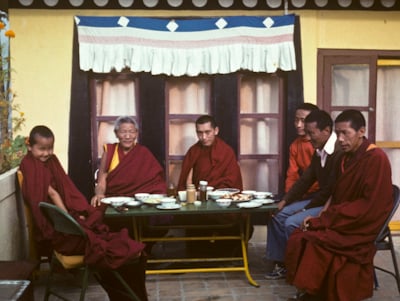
186	46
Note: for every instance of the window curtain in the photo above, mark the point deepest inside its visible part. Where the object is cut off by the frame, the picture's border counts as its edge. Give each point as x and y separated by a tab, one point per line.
388	110
113	98
190	47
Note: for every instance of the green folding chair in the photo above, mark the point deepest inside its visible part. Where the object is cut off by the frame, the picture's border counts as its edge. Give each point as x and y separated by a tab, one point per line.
65	223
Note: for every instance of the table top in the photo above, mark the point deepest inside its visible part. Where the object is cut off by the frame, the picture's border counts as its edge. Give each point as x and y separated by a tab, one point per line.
209	207
12	289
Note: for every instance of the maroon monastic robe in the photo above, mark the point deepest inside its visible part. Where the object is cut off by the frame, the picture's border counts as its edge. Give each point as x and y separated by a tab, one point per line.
104	249
137	171
334	258
220	167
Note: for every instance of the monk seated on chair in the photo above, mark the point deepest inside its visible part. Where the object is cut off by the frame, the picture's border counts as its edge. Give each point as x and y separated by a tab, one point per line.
46	181
331	257
127	168
214	161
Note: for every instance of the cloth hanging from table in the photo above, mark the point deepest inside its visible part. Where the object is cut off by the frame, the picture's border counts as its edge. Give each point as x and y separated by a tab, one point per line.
177	47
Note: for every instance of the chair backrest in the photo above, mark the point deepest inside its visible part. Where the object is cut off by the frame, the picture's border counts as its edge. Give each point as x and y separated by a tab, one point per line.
396	202
61	220
33	251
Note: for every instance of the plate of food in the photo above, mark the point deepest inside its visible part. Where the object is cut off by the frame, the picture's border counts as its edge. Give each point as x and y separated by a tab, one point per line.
248	205
239	197
152	201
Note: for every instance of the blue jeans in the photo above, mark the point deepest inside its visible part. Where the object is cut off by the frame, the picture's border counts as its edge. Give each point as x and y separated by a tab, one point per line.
282	225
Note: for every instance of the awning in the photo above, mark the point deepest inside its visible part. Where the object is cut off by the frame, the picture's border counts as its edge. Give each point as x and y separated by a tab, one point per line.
186	46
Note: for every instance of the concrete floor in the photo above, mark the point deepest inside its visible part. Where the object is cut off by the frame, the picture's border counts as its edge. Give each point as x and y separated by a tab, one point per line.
231	286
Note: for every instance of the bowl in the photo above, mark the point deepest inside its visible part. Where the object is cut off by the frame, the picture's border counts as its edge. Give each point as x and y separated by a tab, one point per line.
249	192
215	195
167	202
142	196
229	190
261	194
158	195
118	201
224	202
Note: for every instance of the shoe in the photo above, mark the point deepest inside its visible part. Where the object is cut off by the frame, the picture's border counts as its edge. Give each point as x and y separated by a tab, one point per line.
279	272
299	297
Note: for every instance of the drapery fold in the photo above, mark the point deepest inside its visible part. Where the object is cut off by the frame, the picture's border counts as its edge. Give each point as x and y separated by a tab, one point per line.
190	47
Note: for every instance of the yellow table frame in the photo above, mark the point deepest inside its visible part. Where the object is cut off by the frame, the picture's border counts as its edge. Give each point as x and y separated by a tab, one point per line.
139	220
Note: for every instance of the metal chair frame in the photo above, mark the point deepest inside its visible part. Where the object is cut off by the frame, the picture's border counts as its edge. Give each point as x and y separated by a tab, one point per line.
65	223
384	241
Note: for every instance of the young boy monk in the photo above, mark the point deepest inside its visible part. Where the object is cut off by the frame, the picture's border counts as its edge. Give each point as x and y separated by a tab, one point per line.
46	181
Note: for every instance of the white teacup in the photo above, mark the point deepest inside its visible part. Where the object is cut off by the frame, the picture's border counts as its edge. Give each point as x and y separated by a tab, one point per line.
182	195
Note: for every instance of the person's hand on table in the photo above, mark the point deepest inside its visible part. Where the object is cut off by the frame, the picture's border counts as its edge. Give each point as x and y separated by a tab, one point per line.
96	200
280	205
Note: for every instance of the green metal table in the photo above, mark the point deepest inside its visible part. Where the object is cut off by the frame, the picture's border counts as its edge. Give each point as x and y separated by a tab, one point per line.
139	216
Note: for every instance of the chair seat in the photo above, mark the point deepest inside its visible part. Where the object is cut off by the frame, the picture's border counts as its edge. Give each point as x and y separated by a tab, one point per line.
70	261
64	223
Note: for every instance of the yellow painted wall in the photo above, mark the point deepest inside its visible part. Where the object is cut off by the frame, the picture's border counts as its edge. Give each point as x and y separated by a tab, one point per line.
42	54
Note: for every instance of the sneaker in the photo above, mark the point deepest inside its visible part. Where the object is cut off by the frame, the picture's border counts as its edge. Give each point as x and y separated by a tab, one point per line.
279	272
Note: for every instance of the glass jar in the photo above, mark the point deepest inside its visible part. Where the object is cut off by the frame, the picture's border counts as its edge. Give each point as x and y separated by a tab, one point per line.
171	191
203	191
190	193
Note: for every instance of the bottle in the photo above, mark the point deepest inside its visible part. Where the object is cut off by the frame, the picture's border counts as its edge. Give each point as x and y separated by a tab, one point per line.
171	191
190	193
203	190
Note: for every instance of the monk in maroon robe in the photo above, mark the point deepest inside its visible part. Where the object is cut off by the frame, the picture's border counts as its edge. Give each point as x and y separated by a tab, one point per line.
44	180
214	161
332	256
216	164
137	171
126	167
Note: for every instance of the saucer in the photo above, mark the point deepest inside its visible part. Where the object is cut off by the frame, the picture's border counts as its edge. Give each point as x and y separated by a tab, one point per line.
169	207
264	201
249	205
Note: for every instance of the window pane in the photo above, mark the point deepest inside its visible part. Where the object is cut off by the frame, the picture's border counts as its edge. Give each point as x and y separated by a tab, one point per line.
259	136
116	97
182	136
259	94
188	95
174	171
388	104
260	175
350	85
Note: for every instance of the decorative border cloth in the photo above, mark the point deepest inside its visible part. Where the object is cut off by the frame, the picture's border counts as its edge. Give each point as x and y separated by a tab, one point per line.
190	47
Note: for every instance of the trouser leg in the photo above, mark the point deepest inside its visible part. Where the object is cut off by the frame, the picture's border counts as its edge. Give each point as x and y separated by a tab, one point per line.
276	232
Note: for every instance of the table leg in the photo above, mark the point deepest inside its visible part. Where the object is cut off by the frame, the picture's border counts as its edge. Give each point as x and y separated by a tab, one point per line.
136	228
244	242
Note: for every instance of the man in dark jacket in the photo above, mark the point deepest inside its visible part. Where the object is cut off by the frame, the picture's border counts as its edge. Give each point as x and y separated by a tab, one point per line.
294	208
